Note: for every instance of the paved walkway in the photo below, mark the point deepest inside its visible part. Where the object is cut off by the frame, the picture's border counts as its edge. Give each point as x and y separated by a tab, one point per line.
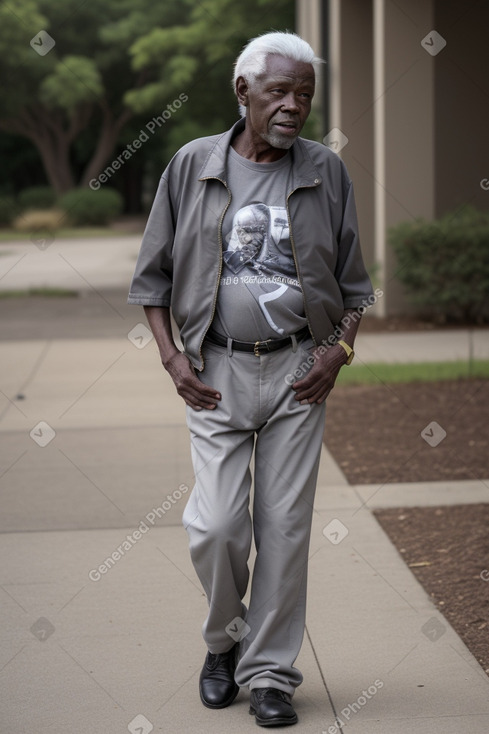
95	464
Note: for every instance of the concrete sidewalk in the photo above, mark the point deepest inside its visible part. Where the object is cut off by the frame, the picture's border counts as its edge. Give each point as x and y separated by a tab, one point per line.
94	457
94	447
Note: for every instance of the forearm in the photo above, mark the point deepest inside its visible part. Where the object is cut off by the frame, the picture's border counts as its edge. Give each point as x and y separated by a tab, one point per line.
195	393
328	360
349	326
160	324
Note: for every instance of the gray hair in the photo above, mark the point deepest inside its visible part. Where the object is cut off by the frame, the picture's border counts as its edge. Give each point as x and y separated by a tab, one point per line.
253	59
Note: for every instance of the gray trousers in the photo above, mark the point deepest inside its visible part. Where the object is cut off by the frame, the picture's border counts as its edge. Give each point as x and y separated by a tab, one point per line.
258	411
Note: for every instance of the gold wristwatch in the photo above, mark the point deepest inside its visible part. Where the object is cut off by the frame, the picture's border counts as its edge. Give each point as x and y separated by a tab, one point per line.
349	351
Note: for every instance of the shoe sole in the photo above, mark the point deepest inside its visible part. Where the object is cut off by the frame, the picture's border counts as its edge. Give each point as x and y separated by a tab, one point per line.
277	721
222	705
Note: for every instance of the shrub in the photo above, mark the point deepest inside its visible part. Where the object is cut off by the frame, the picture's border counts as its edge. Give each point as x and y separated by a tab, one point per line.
7	210
444	264
87	207
40	219
37	197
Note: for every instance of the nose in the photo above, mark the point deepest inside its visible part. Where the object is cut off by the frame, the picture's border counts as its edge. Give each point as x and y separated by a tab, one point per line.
289	103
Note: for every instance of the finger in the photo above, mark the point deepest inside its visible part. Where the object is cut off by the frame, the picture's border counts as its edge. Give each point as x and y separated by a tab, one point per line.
314	393
196	396
197	404
192	384
204	389
193	399
307	389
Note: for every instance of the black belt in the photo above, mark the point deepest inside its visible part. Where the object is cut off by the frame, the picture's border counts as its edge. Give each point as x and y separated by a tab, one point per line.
257	348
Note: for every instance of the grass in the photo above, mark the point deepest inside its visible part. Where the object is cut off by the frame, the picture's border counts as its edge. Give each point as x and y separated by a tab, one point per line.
376	373
44	292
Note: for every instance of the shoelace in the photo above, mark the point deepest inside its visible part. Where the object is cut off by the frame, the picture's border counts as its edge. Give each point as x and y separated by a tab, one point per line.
262	693
216	660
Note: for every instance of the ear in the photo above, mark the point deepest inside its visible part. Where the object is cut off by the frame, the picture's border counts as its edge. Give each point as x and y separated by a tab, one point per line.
242	90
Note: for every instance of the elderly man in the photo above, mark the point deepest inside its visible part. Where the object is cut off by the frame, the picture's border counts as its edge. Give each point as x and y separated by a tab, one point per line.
252	243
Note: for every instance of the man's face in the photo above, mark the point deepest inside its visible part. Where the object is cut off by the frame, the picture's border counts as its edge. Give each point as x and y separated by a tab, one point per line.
279	101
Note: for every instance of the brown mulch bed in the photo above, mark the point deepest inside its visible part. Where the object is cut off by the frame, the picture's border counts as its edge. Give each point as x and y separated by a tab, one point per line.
375	431
374	434
447	549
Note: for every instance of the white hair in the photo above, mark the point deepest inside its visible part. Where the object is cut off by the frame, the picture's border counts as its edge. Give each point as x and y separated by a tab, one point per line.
252	60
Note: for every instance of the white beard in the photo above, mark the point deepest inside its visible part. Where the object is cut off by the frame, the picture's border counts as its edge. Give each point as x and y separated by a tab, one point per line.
276	140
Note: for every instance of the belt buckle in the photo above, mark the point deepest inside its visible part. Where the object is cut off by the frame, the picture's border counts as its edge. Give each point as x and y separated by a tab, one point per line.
259	345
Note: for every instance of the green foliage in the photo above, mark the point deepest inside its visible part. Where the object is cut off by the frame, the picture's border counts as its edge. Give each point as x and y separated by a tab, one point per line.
7	210
185	55
444	264
73	81
115	65
86	207
36	197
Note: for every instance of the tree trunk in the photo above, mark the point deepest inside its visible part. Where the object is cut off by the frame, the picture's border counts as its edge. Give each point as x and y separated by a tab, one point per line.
105	145
56	160
53	138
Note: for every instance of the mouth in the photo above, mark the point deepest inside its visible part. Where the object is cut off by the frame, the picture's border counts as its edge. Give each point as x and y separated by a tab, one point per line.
286	128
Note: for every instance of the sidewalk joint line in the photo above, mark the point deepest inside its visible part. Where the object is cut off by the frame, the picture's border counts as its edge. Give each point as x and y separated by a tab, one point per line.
12	658
12	402
13	266
70	600
13	599
37	363
178	690
13	463
91	385
385	580
201	593
403	658
91	286
91	481
330	698
479	670
90	675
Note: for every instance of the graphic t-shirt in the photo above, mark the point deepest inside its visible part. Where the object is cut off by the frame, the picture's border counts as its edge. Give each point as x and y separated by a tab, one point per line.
259	296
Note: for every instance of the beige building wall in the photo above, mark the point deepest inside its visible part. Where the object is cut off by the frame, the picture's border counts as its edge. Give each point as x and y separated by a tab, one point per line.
462	106
415	121
350	41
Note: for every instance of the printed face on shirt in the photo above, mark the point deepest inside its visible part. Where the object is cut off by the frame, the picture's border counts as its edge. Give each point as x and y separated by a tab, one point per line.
249	230
279	101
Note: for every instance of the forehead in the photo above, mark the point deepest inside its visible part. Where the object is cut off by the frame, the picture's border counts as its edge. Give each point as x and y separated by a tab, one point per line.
281	67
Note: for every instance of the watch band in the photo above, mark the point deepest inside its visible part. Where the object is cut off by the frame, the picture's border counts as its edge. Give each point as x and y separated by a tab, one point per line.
349	351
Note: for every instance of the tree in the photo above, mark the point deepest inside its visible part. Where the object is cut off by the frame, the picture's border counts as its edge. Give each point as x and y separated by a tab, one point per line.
113	66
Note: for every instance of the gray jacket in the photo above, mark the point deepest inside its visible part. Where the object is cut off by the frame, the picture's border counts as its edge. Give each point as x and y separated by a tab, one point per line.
180	261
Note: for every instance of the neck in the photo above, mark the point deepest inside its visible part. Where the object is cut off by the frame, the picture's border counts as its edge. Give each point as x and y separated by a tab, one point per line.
256	149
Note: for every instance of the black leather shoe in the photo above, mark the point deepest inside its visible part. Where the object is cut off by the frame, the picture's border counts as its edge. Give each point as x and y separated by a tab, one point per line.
217	686
272	707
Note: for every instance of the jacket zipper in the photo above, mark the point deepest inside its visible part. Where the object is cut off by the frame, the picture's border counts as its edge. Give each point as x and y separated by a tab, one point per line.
294	255
219	273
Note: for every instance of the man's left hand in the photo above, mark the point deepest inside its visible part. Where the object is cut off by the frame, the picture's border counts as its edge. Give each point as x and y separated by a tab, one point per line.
319	381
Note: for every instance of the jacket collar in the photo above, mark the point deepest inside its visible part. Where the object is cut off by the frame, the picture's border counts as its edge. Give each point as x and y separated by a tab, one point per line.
304	171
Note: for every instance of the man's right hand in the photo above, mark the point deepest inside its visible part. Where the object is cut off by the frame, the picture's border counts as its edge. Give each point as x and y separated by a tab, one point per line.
195	393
